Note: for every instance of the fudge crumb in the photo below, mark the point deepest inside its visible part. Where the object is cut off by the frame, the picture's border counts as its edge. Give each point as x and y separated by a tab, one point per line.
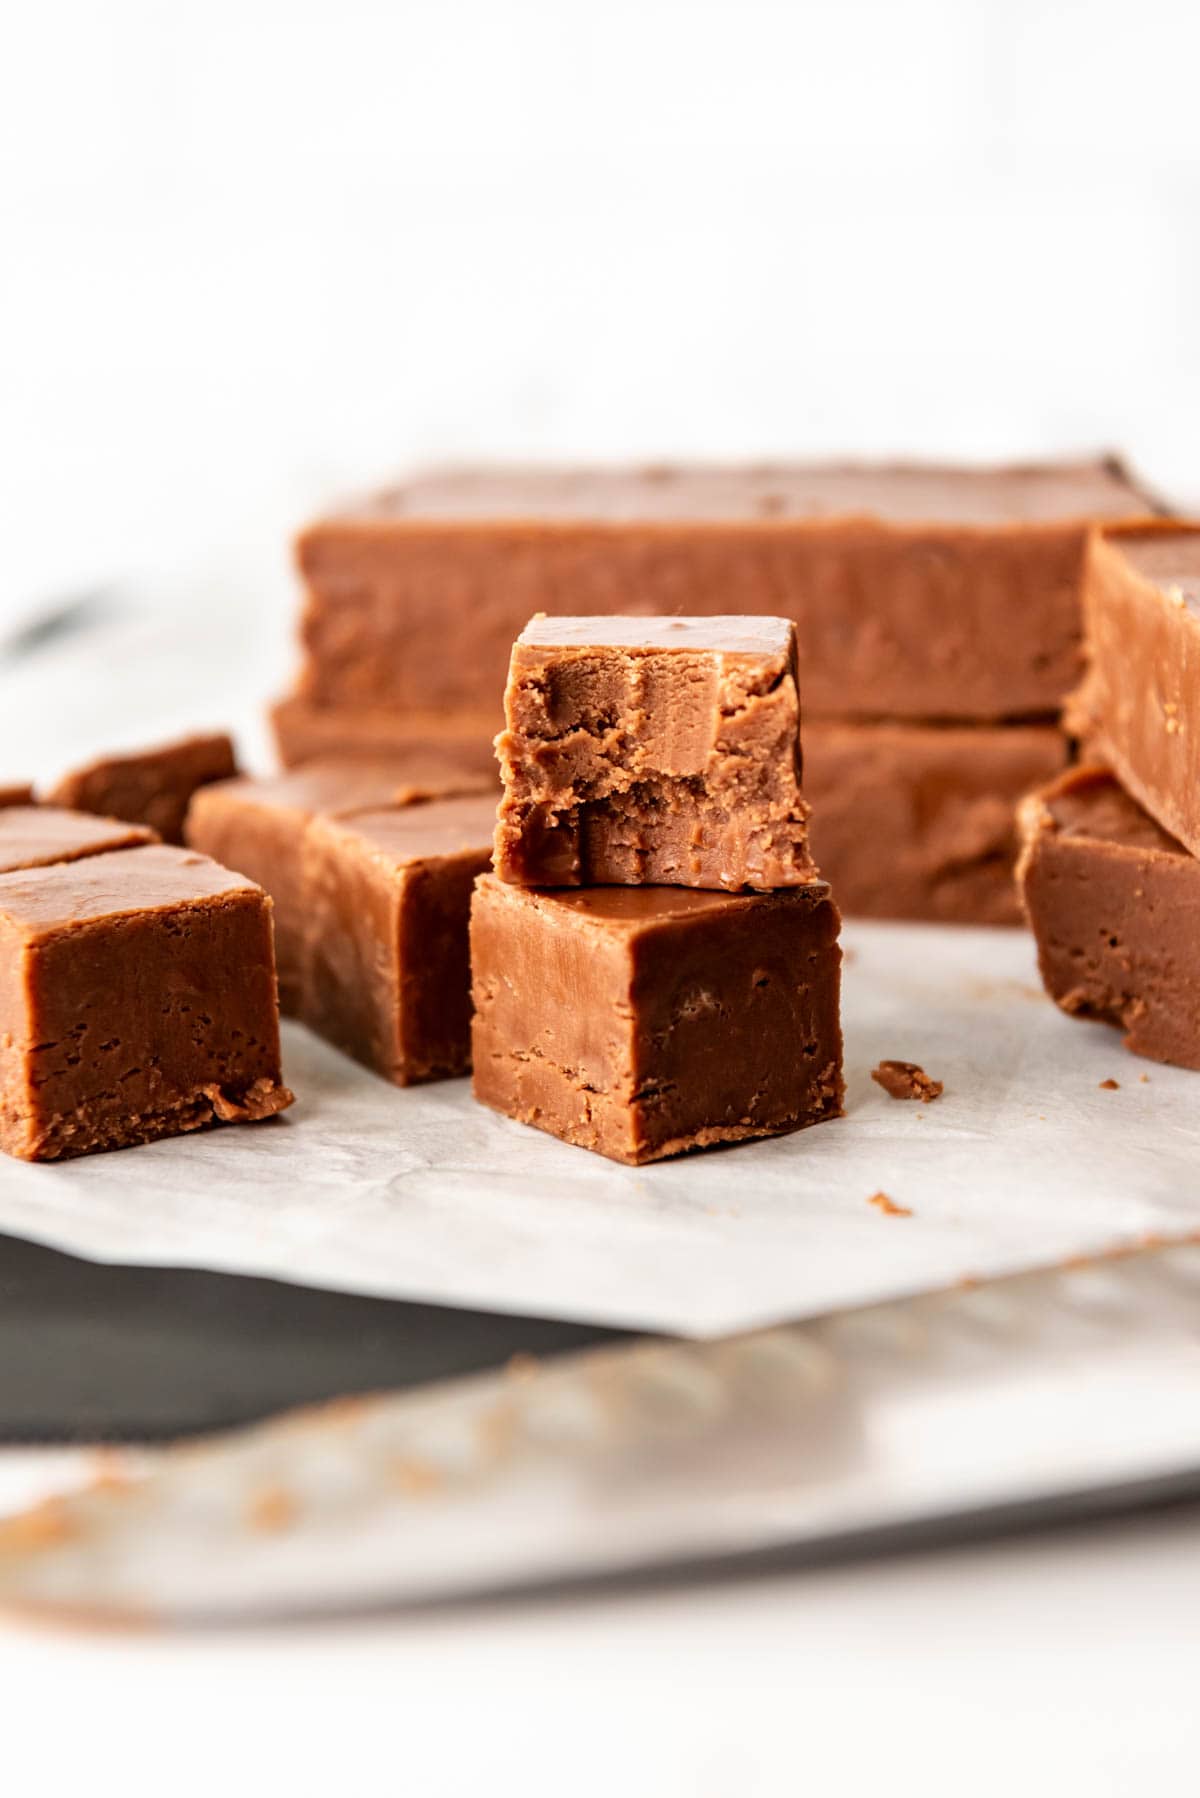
906	1080
888	1206
1110	1086
1145	1079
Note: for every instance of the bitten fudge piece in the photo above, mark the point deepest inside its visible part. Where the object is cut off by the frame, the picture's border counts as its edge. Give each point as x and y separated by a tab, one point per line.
16	795
653	751
153	787
917	592
1139	707
137	1000
387	971
642	1021
919	821
1114	903
33	836
258	826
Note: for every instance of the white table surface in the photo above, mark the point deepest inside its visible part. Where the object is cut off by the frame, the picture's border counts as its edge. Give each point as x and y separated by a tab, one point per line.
1061	1663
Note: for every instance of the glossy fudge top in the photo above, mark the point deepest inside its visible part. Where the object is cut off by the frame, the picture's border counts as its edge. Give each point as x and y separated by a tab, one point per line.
1171	559
427	832
152	786
1090	802
621	911
337	787
33	836
751	636
158	877
901	493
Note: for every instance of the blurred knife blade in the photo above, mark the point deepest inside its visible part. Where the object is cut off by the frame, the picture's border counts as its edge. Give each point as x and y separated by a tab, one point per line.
1028	1392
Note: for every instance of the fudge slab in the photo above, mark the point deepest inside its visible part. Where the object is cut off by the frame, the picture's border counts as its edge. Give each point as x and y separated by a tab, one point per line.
137	1000
643	1021
306	733
1114	903
33	836
21	794
917	591
653	751
387	972
258	827
919	821
153	787
1139	706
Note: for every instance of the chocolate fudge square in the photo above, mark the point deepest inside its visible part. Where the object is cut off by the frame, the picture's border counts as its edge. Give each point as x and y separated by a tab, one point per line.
1139	707
653	751
258	827
153	787
387	973
643	1021
34	836
1114	903
16	794
137	1000
919	821
917	591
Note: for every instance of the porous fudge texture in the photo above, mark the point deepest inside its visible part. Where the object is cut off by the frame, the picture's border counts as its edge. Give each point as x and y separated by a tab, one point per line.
137	1000
653	751
917	592
1114	903
16	794
919	821
153	787
1139	707
643	1021
258	827
387	972
34	836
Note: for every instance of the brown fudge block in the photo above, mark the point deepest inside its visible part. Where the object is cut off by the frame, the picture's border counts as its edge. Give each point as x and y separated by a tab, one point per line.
258	826
387	973
917	592
306	733
919	821
152	787
653	751
33	836
137	1000
1139	706
1114	903
643	1021
21	794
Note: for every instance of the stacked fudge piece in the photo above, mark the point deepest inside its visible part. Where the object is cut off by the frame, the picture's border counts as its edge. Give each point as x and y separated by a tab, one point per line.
370	865
937	611
655	958
1108	867
137	988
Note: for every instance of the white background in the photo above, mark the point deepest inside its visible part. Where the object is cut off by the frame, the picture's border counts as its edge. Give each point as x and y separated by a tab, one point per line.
253	252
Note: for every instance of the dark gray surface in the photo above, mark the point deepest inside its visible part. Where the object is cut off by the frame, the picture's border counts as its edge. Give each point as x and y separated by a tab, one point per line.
98	1353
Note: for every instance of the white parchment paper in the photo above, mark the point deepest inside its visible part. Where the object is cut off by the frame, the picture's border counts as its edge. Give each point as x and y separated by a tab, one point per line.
423	1194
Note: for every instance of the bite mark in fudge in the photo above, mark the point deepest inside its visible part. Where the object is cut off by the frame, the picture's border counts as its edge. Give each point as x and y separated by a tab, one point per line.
34	836
152	787
1114	903
907	1080
653	751
258	826
387	973
917	592
919	821
643	1021
137	1000
1139	705
16	795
